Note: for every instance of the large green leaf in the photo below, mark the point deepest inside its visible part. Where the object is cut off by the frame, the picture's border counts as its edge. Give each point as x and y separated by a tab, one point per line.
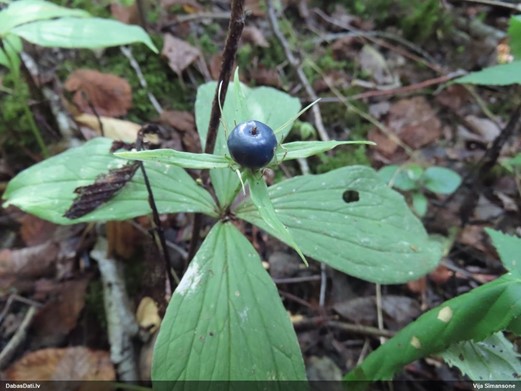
491	359
25	11
85	33
509	249
47	188
225	320
264	104
498	75
376	238
472	316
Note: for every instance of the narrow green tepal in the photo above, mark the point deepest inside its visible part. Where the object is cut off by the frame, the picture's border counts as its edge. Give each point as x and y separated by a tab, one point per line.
351	220
225	321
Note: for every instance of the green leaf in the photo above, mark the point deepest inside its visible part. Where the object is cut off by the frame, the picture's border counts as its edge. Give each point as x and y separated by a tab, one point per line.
9	56
511	163
86	33
225	320
419	203
376	238
261	199
397	176
47	188
514	32
441	180
178	158
491	359
471	316
25	11
264	104
509	249
304	149
498	75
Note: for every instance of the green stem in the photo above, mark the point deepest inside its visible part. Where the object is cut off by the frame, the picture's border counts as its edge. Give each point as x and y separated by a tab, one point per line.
36	132
27	111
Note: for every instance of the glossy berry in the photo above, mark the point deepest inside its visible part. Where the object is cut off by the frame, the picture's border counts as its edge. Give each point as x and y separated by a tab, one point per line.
252	144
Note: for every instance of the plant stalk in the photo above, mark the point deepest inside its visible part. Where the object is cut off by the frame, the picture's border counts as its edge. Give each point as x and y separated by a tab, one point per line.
231	45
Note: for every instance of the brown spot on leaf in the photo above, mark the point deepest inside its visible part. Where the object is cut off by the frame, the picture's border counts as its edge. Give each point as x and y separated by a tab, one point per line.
102	190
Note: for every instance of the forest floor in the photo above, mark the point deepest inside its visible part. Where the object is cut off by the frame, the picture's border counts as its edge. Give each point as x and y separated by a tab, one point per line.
383	70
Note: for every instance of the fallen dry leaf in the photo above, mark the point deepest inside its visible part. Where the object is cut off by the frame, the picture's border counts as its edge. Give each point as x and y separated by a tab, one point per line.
189	6
60	314
101	93
473	236
125	14
180	120
35	231
73	363
147	314
123	239
414	122
373	63
180	54
266	77
184	122
253	35
32	261
215	66
254	8
113	128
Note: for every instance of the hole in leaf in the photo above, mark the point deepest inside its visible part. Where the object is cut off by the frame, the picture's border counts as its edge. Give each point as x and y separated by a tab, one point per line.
350	196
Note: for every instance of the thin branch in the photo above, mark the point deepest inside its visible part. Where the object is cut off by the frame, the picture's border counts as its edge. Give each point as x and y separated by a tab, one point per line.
152	203
297	66
121	323
18	338
494	3
487	162
127	52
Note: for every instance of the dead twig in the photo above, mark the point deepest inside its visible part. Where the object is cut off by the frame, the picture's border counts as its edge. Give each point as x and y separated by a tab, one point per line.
127	52
494	3
122	325
435	67
474	179
18	338
297	66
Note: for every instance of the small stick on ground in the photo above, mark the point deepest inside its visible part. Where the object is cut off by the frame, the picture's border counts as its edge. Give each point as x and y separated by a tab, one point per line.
121	323
474	180
18	338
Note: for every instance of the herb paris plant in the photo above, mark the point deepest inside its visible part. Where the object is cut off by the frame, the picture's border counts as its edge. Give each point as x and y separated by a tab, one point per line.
225	320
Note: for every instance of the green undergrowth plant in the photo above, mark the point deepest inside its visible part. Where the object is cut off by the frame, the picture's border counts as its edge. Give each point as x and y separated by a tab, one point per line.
225	320
467	331
46	24
415	179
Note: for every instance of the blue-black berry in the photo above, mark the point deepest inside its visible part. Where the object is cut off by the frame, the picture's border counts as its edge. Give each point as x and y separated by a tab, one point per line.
252	144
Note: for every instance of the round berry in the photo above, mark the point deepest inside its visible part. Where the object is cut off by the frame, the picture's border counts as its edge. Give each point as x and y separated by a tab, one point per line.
252	144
